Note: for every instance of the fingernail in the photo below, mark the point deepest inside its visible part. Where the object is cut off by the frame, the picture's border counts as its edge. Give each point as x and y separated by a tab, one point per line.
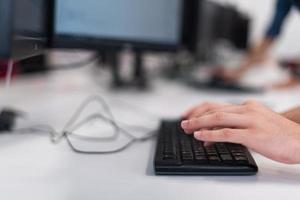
185	123
197	134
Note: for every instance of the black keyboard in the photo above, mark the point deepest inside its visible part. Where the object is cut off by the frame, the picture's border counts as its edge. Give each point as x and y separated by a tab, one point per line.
181	154
220	85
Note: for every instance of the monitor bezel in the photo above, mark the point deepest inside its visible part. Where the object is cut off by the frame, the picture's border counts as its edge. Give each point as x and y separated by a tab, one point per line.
6	20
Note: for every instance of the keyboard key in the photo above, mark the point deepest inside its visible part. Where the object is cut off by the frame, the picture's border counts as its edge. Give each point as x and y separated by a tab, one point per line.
169	153
187	158
200	154
214	159
223	151
237	151
238	154
241	160
169	157
201	159
212	154
226	158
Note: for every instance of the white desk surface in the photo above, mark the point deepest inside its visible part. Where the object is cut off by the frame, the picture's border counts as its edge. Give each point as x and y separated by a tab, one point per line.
33	168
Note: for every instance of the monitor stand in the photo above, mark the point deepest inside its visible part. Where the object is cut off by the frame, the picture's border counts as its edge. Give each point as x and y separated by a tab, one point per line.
138	79
139	76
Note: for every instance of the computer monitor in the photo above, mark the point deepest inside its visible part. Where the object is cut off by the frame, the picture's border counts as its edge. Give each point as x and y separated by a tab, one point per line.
23	28
114	24
206	34
233	27
215	24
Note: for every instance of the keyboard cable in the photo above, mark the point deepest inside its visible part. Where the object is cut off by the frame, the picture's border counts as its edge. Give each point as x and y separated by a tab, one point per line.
71	126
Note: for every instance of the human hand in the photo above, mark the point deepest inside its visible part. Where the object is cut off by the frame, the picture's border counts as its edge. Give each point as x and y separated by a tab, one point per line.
202	108
229	75
250	124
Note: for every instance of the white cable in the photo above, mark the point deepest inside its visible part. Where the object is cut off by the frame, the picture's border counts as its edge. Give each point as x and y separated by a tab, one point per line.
8	76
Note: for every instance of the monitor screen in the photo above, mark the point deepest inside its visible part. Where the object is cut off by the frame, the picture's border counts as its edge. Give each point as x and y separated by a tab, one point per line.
156	22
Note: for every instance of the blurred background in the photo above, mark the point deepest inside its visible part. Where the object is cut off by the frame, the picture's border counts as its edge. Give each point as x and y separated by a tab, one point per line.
212	50
261	13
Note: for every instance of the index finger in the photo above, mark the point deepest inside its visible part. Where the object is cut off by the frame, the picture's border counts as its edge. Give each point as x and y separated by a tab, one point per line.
218	119
201	109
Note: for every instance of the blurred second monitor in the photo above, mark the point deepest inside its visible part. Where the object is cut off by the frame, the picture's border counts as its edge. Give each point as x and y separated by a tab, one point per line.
23	28
216	23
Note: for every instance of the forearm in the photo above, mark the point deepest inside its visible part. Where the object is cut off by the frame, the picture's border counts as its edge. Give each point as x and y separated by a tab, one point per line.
293	115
